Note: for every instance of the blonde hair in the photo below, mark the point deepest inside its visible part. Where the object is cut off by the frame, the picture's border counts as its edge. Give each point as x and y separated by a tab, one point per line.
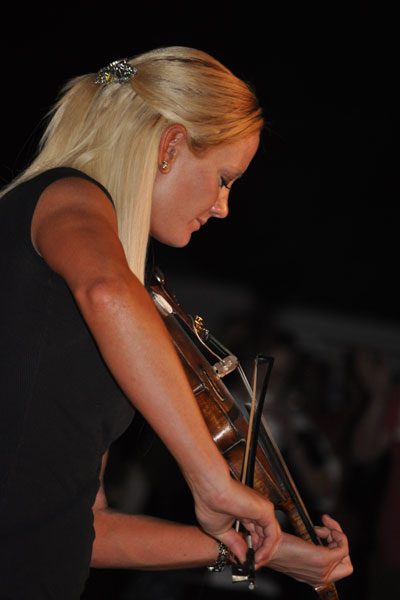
112	132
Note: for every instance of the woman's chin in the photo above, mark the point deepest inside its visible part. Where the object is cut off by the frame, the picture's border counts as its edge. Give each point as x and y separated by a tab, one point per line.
180	242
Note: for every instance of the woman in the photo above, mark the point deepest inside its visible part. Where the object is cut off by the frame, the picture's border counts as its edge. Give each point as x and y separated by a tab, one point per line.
164	138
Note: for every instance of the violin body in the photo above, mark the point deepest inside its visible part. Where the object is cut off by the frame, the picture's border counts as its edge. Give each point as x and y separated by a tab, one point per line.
227	421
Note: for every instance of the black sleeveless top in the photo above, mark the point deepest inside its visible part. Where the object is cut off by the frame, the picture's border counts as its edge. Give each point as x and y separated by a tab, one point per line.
60	409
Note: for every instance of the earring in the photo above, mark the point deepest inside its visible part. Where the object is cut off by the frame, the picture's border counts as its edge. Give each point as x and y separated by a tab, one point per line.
164	165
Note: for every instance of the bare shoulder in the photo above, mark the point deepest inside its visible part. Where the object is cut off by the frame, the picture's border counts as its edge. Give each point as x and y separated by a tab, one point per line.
71	203
74	229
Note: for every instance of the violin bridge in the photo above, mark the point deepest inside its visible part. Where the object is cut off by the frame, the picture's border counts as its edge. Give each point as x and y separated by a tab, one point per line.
225	366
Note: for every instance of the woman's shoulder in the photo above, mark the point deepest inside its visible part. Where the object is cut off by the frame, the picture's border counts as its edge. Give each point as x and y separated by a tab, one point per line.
72	210
63	176
29	188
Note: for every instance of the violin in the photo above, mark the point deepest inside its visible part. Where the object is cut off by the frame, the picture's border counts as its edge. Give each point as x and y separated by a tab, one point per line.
228	419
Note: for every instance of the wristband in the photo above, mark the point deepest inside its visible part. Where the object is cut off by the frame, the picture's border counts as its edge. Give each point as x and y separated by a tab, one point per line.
222	559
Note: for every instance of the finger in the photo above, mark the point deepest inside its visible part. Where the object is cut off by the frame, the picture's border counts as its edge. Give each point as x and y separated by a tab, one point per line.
257	537
322	532
339	549
331	523
235	543
268	543
266	527
256	540
340	539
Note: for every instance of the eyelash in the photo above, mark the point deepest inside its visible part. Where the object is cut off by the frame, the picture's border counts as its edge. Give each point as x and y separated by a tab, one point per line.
224	183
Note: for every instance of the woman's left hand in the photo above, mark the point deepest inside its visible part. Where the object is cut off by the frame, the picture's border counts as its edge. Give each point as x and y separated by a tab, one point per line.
312	564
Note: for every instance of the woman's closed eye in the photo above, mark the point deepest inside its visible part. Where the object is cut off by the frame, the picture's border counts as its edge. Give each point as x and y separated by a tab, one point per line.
223	183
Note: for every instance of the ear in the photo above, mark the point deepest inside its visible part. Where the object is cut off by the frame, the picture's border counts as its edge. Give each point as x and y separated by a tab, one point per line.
170	140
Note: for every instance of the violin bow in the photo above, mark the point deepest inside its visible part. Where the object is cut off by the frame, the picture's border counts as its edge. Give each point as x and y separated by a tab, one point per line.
299	515
246	571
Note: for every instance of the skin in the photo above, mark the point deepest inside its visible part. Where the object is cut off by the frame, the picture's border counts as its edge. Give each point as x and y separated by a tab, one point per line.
74	229
194	188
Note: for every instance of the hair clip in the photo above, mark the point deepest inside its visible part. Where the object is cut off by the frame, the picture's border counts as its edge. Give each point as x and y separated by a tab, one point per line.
118	71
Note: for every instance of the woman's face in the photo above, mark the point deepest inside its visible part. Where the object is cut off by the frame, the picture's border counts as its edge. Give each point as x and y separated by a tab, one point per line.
193	188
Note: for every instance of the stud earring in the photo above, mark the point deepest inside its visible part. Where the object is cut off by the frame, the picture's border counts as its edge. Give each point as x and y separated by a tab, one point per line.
164	165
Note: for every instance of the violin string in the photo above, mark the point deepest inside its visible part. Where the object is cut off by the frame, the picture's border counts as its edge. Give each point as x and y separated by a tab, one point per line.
250	425
245	380
249	429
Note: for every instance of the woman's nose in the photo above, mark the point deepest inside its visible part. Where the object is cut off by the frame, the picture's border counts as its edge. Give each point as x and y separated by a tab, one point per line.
220	209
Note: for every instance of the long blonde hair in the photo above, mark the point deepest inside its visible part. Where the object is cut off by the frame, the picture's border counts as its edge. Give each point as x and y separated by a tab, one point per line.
112	132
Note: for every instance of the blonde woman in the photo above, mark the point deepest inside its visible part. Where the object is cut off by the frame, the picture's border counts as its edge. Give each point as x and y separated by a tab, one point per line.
145	147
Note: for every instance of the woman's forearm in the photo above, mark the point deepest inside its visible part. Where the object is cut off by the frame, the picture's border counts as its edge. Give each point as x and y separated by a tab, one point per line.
140	542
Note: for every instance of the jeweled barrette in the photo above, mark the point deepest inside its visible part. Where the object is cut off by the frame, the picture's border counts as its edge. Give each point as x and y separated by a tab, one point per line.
118	71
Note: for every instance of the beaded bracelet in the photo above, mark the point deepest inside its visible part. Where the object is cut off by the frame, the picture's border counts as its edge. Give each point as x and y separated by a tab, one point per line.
222	558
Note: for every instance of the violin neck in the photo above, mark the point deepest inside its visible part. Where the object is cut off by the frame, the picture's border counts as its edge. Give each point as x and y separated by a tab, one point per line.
293	504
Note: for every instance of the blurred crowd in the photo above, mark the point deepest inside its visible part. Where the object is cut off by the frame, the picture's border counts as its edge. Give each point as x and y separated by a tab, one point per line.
339	431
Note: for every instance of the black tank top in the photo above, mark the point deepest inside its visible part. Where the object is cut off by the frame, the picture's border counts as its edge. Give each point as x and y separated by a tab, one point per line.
60	409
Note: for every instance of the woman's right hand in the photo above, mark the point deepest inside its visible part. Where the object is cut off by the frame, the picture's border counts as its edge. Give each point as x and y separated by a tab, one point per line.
217	512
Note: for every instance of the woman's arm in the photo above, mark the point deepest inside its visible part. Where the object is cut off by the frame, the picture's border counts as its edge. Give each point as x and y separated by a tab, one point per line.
74	229
140	542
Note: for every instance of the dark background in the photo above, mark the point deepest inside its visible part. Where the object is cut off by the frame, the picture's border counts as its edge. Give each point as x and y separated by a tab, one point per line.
314	221
313	225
